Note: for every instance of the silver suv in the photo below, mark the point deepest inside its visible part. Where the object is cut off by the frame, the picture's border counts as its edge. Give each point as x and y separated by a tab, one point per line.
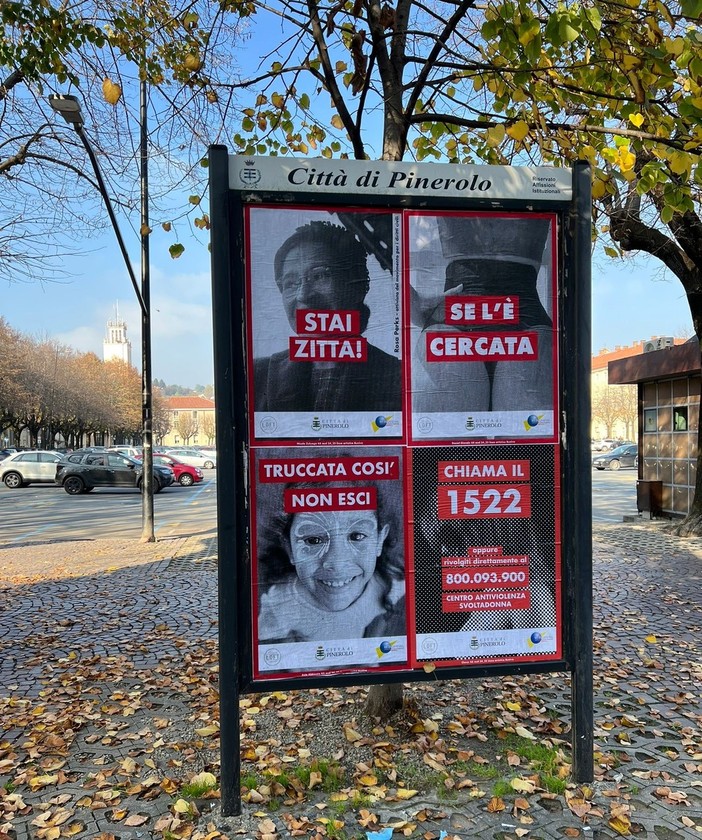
23	468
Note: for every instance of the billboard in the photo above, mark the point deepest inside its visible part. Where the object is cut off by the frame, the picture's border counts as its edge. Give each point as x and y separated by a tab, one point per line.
402	388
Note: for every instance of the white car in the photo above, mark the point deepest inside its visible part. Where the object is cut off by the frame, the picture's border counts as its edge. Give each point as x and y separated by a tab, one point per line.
205	460
22	468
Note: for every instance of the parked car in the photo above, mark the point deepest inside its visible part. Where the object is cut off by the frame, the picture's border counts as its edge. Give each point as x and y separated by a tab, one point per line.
185	475
83	472
22	468
131	451
621	456
204	460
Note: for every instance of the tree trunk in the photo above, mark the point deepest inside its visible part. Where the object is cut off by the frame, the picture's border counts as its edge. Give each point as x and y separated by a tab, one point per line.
384	700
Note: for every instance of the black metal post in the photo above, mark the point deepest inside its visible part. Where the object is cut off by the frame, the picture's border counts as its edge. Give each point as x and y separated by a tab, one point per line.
147	487
226	317
578	438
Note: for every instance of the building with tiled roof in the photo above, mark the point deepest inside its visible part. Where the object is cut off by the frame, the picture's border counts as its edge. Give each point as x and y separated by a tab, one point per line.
614	407
192	421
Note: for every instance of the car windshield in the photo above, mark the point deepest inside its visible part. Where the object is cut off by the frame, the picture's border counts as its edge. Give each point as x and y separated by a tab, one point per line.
620	450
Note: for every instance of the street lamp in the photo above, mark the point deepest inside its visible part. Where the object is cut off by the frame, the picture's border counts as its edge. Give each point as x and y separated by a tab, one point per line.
69	108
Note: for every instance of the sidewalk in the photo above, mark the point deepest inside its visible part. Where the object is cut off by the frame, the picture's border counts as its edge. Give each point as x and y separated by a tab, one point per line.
108	708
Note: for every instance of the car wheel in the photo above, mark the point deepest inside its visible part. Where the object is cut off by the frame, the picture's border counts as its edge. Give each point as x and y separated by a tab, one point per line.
208	465
73	485
186	480
13	480
614	464
157	486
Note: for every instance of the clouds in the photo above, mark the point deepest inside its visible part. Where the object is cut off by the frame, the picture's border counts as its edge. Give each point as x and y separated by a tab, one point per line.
76	313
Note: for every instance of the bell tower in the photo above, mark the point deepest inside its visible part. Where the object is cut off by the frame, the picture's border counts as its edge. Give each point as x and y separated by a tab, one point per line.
116	344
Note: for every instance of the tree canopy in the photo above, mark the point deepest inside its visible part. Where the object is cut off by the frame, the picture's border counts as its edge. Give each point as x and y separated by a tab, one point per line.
100	52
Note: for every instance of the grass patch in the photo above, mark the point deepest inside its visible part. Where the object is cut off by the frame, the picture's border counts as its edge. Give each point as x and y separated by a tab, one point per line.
332	773
194	790
502	788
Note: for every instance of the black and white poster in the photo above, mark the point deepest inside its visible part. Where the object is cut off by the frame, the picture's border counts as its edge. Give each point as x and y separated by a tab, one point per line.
325	344
329	559
482	334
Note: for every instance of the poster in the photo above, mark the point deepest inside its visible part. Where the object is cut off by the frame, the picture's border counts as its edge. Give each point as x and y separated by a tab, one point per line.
482	332
325	344
328	555
486	553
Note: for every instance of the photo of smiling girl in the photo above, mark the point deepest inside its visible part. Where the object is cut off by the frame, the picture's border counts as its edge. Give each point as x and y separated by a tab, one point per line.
330	575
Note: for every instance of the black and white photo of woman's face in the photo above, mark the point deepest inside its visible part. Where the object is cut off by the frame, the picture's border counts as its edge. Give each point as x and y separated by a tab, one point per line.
335	553
312	278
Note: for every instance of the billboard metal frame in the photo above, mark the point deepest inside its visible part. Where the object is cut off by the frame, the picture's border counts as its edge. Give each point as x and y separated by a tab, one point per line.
229	321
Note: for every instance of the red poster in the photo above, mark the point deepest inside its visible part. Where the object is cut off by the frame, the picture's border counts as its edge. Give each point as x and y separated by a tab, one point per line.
328	560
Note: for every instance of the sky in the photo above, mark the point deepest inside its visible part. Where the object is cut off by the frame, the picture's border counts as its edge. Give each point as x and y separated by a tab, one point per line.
632	301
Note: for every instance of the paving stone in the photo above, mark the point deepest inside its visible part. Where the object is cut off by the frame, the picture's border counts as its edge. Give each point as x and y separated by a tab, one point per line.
647	584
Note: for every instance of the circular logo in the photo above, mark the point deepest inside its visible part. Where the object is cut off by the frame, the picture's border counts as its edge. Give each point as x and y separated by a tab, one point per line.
386	647
535	638
429	645
424	424
533	420
268	424
381	422
271	656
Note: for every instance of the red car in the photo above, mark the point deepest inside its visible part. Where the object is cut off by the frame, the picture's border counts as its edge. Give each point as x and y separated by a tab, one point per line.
184	473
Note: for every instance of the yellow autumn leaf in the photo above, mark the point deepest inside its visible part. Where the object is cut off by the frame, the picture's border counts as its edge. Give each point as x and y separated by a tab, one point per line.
337	122
495	135
181	806
518	131
513	707
207	730
495	804
598	188
351	734
636	119
406	793
204	779
72	829
680	163
41	781
523	785
627	159
111	91
429	667
651	638
129	766
192	62
368	780
621	824
524	733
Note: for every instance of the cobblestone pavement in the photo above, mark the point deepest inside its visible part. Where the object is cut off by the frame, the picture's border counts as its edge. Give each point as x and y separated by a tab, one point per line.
108	698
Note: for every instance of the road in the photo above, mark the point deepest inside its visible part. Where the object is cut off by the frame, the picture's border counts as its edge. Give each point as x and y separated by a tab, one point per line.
41	513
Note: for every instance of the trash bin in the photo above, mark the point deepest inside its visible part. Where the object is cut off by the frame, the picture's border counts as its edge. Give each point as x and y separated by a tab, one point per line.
649	497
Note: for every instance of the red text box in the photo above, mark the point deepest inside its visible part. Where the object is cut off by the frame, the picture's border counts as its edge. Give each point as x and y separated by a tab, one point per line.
328	349
328	322
474	310
484	562
484	471
484	501
515	599
509	578
305	500
284	470
478	346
